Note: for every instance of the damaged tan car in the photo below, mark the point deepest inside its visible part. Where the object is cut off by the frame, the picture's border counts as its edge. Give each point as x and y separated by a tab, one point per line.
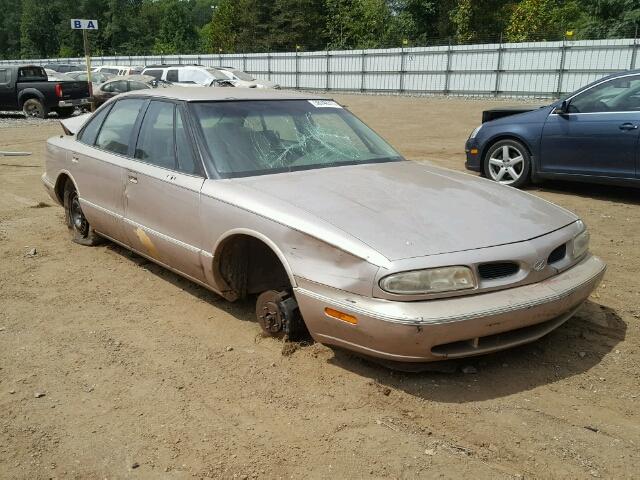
290	199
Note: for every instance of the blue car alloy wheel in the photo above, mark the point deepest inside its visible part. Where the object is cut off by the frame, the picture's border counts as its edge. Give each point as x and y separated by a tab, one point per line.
508	162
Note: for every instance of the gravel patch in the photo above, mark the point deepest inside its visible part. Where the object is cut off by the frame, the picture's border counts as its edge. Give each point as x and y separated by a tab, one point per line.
17	119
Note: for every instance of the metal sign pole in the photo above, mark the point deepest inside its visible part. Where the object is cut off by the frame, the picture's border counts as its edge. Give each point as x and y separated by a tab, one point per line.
87	59
84	25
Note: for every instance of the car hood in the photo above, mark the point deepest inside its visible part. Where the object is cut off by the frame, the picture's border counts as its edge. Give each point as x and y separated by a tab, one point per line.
406	209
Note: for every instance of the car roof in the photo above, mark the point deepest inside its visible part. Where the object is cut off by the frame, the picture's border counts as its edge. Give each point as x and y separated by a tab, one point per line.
213	94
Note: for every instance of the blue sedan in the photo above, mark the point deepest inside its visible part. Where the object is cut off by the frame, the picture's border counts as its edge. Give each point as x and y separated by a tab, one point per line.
592	135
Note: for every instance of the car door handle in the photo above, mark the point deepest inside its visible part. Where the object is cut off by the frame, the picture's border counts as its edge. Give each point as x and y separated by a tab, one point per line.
74	159
133	179
628	126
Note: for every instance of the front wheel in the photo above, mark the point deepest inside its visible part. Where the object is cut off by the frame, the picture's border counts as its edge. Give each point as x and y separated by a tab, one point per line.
508	162
81	230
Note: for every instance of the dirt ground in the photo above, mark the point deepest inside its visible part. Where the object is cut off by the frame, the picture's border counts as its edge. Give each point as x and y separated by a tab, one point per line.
111	367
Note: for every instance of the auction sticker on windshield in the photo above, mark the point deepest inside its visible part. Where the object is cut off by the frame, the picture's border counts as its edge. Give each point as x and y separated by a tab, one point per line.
324	104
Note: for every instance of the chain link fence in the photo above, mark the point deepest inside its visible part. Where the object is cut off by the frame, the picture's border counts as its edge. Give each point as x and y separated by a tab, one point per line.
531	69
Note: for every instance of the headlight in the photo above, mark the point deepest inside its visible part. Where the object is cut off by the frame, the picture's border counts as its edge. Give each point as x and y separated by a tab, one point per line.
581	243
433	280
475	131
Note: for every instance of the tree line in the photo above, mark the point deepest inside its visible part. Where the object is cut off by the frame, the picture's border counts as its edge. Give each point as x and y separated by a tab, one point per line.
41	28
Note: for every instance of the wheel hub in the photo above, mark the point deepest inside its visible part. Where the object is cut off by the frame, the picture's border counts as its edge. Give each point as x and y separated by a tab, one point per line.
269	313
278	314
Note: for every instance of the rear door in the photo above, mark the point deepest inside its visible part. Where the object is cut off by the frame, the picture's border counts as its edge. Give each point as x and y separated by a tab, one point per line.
599	134
98	164
8	95
162	191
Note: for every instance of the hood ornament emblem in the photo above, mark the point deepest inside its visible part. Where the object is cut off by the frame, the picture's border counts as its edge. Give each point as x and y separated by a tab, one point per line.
539	265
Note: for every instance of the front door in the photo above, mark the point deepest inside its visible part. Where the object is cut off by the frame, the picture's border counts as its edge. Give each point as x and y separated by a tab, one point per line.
599	133
8	94
162	192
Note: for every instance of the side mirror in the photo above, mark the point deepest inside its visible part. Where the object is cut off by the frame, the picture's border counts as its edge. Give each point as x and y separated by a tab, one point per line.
563	109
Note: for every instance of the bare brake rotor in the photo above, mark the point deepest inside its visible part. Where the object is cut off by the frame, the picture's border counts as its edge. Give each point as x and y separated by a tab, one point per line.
278	314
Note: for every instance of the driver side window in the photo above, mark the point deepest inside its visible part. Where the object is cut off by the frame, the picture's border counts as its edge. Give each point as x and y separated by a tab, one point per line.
616	95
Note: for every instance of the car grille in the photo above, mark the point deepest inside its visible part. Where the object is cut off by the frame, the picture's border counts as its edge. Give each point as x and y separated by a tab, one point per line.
489	271
558	254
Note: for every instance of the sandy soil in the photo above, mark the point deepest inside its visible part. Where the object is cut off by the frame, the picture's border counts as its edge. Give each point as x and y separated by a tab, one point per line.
111	367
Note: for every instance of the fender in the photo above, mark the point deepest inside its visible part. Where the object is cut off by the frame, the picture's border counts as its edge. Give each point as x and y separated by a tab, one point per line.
30	92
68	174
266	240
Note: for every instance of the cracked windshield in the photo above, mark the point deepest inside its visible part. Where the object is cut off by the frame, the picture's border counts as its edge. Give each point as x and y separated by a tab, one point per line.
259	137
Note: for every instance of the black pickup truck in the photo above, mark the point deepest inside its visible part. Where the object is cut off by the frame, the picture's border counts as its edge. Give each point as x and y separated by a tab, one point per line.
26	88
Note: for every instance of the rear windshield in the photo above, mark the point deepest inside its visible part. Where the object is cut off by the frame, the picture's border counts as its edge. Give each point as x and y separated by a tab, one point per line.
217	74
247	138
243	75
31	74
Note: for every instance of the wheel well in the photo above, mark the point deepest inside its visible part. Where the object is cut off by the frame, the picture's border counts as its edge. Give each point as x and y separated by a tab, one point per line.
28	96
59	188
246	265
496	140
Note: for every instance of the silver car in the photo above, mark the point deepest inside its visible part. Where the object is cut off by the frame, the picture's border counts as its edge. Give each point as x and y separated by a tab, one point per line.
290	199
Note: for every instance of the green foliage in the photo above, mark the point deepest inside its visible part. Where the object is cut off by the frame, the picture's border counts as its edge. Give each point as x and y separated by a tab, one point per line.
530	19
40	28
462	18
358	24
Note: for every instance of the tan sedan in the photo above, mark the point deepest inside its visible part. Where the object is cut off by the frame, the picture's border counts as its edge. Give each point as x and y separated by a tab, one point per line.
291	199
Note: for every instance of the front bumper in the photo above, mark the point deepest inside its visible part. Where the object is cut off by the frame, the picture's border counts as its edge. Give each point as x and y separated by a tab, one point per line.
73	103
472	151
424	331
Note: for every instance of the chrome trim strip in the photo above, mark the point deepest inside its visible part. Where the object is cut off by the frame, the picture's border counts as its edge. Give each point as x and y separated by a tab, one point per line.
102	209
593	86
459	318
634	112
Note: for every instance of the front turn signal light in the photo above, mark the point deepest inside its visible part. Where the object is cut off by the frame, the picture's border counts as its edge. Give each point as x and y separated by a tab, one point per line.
345	317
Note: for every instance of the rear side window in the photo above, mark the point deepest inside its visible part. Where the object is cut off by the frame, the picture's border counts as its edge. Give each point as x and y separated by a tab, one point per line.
157	74
172	75
115	133
138	86
155	142
90	131
5	76
118	86
32	73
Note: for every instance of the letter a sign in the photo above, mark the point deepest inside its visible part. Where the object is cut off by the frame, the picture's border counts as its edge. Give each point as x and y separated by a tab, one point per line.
78	24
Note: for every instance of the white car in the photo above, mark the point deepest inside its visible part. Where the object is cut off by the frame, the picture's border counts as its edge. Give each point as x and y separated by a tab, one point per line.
243	79
188	75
